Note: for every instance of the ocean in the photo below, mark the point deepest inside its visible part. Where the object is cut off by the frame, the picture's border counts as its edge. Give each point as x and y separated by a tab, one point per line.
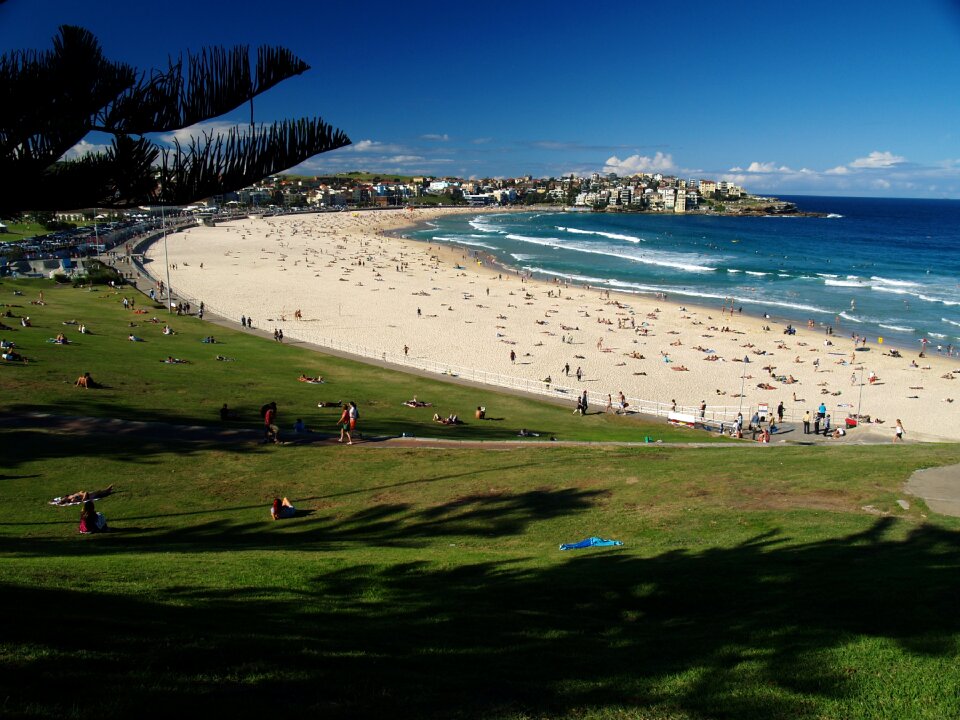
885	268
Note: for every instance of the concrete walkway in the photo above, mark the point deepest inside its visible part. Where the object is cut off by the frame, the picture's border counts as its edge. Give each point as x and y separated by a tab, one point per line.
939	487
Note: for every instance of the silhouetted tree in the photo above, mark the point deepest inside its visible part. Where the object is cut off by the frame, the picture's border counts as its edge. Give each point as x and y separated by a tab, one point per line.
53	99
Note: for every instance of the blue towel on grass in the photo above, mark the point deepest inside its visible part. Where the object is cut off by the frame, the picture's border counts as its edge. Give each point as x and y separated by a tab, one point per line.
590	542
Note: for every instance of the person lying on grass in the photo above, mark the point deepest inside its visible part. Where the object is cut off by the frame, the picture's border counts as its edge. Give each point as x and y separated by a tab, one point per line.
312	380
82	496
416	403
282	509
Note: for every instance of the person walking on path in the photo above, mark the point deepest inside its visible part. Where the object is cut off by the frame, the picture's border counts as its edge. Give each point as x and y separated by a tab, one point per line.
270	428
344	423
806	423
354	414
826	426
816	424
780	412
898	431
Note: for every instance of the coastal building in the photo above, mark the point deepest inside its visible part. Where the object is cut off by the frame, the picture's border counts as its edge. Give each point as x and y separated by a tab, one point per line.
680	202
707	188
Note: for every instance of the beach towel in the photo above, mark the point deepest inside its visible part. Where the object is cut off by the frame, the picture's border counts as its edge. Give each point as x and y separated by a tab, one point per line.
590	542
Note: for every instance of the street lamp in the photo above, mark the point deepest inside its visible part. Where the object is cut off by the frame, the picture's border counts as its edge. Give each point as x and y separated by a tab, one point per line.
166	257
743	379
860	398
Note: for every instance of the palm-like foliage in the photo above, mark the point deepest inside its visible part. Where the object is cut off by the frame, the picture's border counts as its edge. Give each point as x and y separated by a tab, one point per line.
53	99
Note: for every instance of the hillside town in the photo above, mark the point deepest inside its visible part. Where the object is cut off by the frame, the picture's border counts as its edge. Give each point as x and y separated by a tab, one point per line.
612	193
90	231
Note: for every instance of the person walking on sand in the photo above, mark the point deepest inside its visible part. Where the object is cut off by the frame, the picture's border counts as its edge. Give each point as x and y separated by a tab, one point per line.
513	357
579	374
703	409
898	431
344	423
609	407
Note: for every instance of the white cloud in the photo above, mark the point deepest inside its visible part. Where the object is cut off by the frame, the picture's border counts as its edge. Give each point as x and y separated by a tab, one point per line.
404	159
762	167
435	137
768	167
185	135
639	164
838	170
878	159
881	184
83	148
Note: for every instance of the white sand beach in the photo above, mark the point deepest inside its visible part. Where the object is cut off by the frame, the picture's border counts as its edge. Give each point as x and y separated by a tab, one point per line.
355	285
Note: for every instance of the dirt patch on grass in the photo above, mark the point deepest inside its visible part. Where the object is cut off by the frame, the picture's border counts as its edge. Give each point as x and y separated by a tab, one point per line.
770	499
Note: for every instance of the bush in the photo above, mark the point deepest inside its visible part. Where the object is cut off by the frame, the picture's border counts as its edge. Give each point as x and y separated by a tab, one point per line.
60	279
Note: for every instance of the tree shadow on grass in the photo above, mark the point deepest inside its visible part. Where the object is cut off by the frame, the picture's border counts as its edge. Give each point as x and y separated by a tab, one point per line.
493	515
764	629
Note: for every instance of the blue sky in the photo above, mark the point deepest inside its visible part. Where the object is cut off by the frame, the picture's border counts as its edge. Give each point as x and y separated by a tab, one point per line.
831	98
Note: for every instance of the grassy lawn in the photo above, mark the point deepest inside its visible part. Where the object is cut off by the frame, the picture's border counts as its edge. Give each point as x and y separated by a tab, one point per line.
21	230
428	583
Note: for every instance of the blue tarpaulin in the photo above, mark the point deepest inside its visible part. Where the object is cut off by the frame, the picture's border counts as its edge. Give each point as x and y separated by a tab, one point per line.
590	542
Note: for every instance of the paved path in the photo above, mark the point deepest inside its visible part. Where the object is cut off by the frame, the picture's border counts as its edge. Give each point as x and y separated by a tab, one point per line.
939	487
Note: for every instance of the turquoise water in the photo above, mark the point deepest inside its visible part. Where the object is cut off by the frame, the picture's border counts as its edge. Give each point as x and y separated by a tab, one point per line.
881	268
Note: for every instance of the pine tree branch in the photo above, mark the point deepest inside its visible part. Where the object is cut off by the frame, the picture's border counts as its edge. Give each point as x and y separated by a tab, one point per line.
204	86
51	98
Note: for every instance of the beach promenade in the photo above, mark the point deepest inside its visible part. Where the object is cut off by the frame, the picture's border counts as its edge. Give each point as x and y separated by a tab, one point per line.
346	282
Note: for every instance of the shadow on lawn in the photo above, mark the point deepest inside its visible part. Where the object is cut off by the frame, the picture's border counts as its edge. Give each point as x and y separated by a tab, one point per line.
736	632
167	426
493	515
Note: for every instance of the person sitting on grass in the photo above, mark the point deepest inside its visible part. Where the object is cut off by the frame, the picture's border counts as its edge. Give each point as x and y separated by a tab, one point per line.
91	521
86	382
299	427
282	509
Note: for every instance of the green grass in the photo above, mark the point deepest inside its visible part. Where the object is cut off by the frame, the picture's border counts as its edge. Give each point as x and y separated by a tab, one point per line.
428	583
17	231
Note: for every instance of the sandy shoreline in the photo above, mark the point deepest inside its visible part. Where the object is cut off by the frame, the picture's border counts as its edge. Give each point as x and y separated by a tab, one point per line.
356	283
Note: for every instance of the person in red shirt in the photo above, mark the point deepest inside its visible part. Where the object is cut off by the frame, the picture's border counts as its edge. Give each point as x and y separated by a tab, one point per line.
270	428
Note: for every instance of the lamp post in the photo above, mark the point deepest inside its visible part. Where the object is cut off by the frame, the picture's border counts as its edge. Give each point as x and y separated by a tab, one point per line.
860	398
166	257
743	379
